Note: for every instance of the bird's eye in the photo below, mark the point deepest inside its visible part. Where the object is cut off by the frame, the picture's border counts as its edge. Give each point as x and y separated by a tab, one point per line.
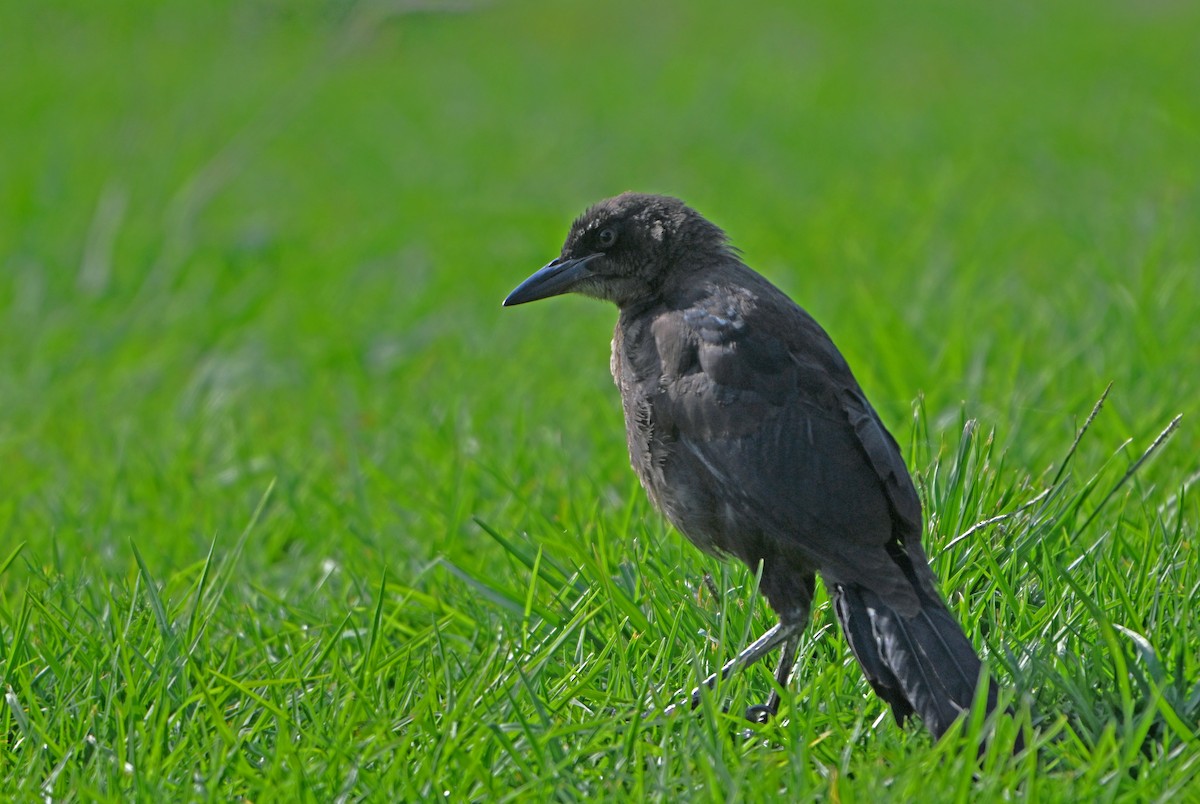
607	237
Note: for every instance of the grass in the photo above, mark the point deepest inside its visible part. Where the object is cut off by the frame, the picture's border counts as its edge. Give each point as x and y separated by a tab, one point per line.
290	509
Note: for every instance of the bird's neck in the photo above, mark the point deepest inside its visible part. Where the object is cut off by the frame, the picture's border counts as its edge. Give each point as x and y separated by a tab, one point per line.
639	307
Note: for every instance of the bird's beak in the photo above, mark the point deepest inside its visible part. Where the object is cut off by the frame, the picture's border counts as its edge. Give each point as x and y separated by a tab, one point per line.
560	276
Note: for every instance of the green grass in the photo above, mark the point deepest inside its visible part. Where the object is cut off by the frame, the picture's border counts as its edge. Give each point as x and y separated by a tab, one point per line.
290	509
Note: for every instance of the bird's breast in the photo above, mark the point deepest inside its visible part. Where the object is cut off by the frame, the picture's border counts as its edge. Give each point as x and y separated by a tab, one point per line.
646	375
638	373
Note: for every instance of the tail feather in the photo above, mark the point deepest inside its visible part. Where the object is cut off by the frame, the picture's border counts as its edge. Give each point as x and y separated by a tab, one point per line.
856	624
922	663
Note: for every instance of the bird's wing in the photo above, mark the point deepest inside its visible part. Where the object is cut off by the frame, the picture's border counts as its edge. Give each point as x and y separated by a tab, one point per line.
883	453
760	400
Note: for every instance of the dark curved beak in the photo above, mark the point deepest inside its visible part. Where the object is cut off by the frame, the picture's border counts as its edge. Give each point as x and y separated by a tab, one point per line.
560	276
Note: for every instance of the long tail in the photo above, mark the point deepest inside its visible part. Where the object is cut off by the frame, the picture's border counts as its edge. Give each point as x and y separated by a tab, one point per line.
922	663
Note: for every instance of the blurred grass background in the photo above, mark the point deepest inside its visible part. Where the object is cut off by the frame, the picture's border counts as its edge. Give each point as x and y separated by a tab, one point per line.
251	259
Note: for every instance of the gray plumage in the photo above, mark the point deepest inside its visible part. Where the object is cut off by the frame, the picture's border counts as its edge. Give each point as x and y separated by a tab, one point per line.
749	432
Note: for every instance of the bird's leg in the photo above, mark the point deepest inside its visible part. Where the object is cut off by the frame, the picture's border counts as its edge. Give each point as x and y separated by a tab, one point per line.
781	633
783	674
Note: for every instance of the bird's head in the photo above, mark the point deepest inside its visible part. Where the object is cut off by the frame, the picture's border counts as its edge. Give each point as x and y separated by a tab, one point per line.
626	249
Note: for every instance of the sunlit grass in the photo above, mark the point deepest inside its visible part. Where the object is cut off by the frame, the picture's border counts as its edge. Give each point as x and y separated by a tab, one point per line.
290	509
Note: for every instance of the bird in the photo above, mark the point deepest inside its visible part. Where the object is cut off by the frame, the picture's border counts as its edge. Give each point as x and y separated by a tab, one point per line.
749	432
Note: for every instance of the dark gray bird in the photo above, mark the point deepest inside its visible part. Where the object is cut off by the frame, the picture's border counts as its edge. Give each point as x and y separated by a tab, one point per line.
748	430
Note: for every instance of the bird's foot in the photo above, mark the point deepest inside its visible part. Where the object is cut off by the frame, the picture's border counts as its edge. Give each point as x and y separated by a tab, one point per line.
692	703
762	713
759	713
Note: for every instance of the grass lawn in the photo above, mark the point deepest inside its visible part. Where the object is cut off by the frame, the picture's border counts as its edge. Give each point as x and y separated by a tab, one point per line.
291	509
